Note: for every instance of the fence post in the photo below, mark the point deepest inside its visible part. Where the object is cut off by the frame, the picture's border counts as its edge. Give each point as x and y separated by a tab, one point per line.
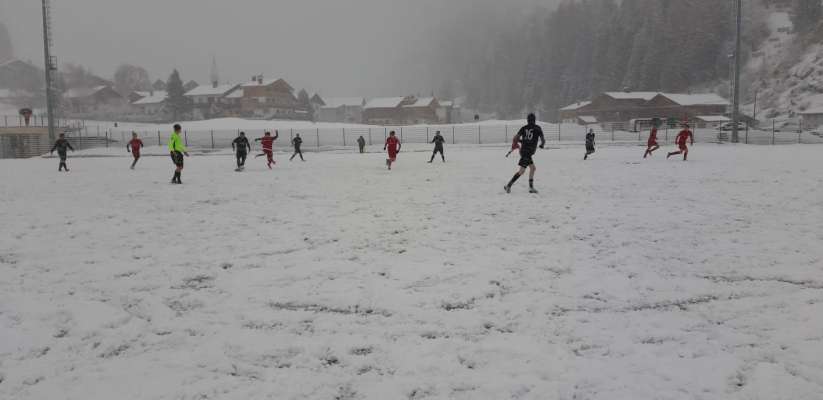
559	130
478	135
385	134
107	139
317	132
344	137
98	130
506	138
612	133
158	139
800	131
427	134
667	132
746	140
369	136
401	134
773	129
212	139
453	142
186	137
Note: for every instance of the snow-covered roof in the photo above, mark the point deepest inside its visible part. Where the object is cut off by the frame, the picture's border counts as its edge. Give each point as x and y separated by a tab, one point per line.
75	93
576	106
384	102
588	119
158	97
703	99
812	111
209	90
646	96
336	102
237	94
266	82
447	103
713	118
421	102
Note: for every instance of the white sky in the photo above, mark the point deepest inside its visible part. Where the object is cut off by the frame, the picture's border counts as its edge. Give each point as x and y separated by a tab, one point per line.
337	47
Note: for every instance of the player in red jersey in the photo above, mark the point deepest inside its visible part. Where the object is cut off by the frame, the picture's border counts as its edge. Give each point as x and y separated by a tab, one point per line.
515	145
652	145
267	143
684	136
393	147
134	146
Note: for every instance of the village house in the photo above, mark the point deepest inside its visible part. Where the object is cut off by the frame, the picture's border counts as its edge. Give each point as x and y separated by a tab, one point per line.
387	110
448	112
812	118
623	107
190	85
151	106
87	100
19	75
422	111
210	101
342	109
270	99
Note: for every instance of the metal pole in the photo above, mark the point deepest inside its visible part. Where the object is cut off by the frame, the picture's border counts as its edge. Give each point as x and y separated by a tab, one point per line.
453	142
212	140
344	137
186	137
370	137
736	102
158	138
427	134
773	129
478	135
317	132
50	66
507	134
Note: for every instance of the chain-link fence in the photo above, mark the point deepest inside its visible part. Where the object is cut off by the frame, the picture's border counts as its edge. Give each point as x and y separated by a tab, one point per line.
330	138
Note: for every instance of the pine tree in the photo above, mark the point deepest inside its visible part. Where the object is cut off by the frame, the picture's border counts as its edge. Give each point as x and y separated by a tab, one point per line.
806	14
176	102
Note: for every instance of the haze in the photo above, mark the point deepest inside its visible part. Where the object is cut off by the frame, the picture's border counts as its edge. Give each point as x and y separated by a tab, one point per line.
355	47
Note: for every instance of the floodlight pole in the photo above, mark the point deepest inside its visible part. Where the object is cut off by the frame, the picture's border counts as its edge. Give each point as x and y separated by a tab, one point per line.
50	66
736	100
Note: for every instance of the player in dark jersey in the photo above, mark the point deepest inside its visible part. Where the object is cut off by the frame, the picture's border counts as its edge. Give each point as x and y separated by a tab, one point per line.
589	144
241	147
528	136
297	142
684	136
62	146
438	146
134	146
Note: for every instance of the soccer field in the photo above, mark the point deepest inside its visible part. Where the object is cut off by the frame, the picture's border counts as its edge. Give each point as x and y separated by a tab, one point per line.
337	279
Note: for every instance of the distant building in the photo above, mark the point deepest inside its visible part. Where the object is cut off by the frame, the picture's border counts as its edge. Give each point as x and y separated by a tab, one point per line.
270	99
87	100
342	109
210	101
625	106
387	110
812	118
159	85
153	105
449	112
20	75
422	111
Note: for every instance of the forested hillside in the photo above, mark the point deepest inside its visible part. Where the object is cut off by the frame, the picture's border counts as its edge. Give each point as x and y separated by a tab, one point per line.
554	58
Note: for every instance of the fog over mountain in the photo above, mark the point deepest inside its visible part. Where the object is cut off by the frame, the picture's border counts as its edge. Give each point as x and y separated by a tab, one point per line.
356	47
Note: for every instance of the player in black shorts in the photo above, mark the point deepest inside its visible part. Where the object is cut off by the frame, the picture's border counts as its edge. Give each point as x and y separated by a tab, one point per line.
528	136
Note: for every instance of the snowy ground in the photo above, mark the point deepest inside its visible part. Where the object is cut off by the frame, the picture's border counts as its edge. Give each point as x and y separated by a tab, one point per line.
336	279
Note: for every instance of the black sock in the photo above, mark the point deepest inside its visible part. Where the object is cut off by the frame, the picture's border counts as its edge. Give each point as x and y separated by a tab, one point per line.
514	179
531	183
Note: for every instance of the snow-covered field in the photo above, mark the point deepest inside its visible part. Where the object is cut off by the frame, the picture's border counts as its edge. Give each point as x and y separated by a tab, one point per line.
336	279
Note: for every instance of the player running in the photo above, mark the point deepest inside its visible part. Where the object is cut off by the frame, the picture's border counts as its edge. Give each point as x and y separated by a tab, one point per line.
438	146
297	142
241	147
62	146
652	145
515	145
589	144
528	136
393	147
133	147
176	150
267	142
684	136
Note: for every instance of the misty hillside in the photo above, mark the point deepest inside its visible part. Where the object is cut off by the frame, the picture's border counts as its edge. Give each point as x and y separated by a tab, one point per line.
582	48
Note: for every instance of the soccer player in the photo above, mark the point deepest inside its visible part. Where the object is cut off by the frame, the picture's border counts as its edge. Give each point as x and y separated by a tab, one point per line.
133	147
515	145
241	147
267	142
362	144
528	137
393	147
438	147
684	136
296	142
176	150
589	144
652	145
62	146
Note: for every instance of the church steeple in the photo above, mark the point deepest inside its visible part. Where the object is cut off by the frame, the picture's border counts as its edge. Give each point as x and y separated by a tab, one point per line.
213	76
